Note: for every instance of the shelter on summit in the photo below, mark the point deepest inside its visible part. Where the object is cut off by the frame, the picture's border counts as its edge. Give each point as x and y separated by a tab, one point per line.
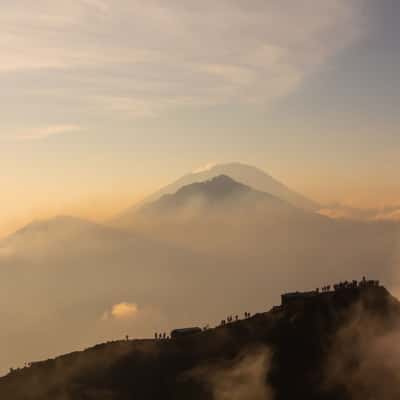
289	297
177	333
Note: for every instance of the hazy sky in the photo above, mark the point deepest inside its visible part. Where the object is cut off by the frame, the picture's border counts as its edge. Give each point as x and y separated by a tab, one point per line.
106	100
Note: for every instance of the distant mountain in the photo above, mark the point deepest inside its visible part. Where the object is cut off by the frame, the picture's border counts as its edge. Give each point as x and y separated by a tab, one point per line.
211	248
63	223
59	277
324	346
218	192
217	213
242	173
221	217
58	231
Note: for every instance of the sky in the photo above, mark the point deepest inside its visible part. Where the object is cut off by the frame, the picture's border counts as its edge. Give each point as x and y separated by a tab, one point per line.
105	101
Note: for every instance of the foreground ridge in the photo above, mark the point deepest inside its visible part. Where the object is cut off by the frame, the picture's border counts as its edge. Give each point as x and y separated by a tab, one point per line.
294	341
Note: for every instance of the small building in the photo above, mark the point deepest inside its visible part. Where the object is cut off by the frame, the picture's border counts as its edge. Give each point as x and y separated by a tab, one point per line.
182	332
295	296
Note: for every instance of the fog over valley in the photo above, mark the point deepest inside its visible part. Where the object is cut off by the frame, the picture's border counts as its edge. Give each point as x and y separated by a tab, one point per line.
226	240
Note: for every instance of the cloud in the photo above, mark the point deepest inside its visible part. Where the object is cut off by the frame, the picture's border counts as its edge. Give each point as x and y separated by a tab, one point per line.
122	311
244	378
146	58
129	106
100	5
45	132
365	356
204	168
341	211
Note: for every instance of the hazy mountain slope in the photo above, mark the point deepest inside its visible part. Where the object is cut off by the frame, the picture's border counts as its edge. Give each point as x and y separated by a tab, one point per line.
62	275
217	194
331	347
214	248
251	234
58	228
245	174
216	214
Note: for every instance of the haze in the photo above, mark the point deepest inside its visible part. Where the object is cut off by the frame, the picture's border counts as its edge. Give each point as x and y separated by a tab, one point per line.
155	155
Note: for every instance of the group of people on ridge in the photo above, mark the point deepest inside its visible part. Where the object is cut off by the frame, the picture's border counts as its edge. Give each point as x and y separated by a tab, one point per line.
229	319
364	283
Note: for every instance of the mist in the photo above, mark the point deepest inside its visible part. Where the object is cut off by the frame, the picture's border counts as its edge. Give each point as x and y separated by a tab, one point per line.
365	356
170	261
244	378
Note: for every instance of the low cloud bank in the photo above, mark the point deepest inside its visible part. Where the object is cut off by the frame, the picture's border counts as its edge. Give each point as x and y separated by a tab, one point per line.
340	211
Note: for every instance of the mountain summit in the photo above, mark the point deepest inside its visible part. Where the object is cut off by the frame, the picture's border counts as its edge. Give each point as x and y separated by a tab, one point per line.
220	194
217	191
247	175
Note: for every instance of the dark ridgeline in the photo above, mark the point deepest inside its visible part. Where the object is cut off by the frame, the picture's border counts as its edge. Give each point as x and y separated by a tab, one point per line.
299	333
354	285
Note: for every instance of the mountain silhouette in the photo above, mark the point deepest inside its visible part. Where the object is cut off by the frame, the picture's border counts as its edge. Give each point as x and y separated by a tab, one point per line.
220	191
242	173
321	346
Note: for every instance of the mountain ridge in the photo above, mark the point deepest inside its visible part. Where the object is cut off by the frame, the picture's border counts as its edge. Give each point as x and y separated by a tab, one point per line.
215	192
292	342
242	173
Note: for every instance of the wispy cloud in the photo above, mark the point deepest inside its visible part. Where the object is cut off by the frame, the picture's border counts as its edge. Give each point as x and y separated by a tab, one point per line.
205	167
341	211
148	57
47	131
